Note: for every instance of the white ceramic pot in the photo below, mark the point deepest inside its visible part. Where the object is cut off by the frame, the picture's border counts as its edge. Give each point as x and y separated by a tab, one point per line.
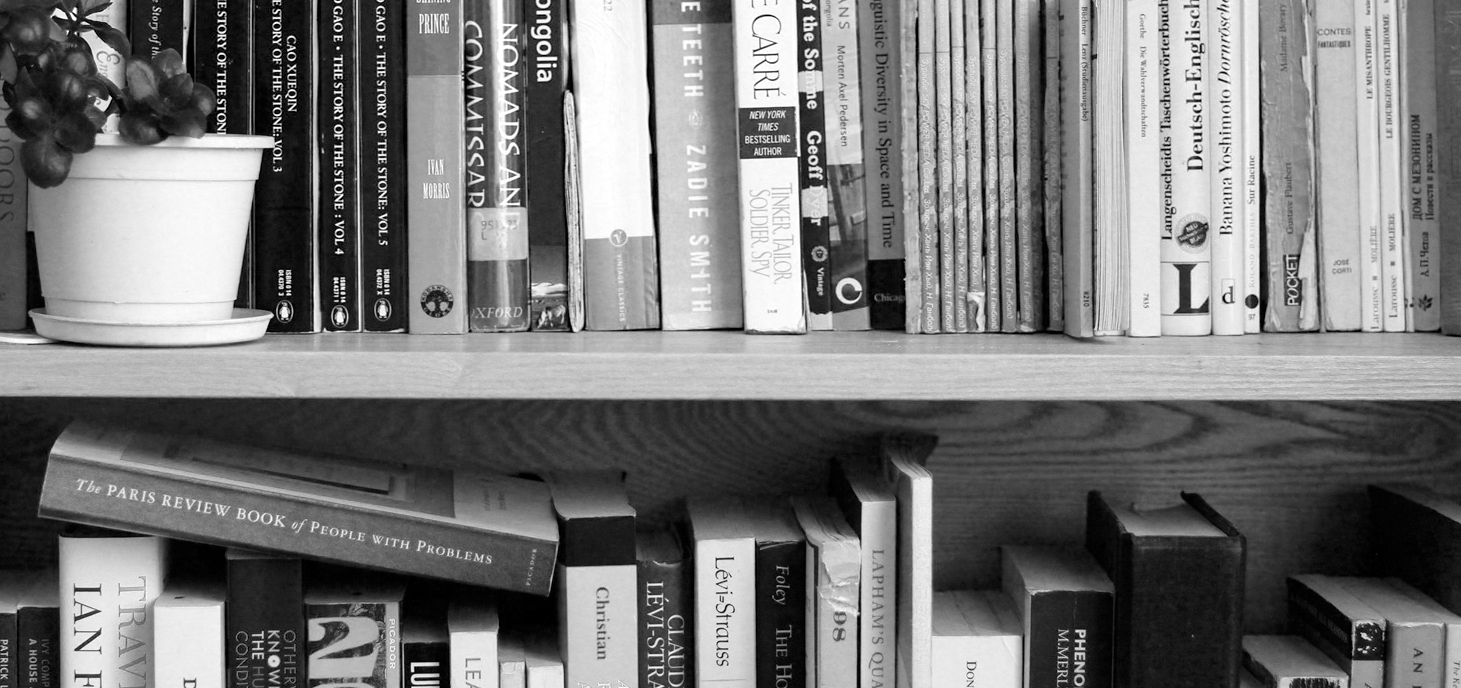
148	234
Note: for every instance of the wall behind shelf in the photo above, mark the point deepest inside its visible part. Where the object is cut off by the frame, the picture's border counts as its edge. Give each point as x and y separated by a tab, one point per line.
1291	475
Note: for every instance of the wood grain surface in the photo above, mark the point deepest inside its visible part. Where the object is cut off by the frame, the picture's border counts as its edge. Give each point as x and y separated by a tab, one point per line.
1290	475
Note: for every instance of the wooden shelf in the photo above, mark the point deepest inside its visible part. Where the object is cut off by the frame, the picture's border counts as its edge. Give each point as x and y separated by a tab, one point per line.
726	365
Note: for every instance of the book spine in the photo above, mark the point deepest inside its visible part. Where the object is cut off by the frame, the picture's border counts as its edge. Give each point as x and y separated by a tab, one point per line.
1062	622
699	248
598	624
358	645
906	13
1186	241
1030	250
1224	161
812	127
878	630
833	594
547	82
1337	206
848	213
1451	665
1039	306
666	624
473	657
975	294
956	301
923	258
1009	276
496	164
1143	174
781	621
1051	148
14	303
1367	156
10	651
38	637
118	577
425	665
767	138
725	610
246	517
1113	270
989	39
1332	630
436	249
1414	654
193	639
611	88
1288	165
265	619
1077	206
1448	132
1393	291
880	58
1252	168
286	193
157	25
1423	225
943	110
339	165
382	139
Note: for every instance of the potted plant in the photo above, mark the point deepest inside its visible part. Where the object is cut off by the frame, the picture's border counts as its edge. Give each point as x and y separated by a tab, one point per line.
139	234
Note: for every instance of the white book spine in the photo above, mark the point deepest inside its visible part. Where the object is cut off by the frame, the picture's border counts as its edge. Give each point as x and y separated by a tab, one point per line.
1252	166
952	660
598	624
1418	74
192	635
878	630
1143	175
1392	193
1224	163
725	613
1187	240
833	593
1112	202
1338	170
766	97
1367	150
119	577
474	659
915	583
844	94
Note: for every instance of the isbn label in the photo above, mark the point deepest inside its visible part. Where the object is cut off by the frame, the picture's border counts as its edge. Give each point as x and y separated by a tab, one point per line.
767	132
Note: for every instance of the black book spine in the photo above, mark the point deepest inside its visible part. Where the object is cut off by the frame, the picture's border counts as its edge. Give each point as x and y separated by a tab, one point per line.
382	137
38	631
816	251
666	624
1063	624
286	194
264	621
9	651
222	59
547	83
427	665
339	157
156	25
781	615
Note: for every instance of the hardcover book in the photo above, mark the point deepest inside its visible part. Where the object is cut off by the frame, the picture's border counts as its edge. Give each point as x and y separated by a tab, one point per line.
38	632
115	576
695	142
1337	196
833	572
264	613
812	121
1417	537
547	58
1178	574
466	526
903	458
611	92
1346	629
976	639
781	591
156	25
473	628
286	195
1064	600
848	215
666	609
436	245
1187	278
870	507
725	591
188	623
381	32
355	637
1415	637
880	60
338	149
1288	661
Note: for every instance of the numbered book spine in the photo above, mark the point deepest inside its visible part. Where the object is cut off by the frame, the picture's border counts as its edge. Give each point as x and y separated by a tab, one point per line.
118	577
812	128
436	145
1288	166
1223	123
339	168
382	136
1186	240
1367	156
766	126
1077	206
611	91
13	269
880	60
287	192
265	617
848	216
1252	166
1393	198
1418	78
357	644
496	158
547	82
157	25
1143	172
222	59
695	141
1338	189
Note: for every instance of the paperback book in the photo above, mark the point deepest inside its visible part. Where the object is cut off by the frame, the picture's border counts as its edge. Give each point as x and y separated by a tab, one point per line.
597	580
116	576
265	610
546	60
381	34
338	151
355	636
666	609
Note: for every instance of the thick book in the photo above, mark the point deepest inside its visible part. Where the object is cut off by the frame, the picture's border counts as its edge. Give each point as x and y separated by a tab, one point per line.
870	507
695	157
1186	236
1223	131
188	623
1113	190
1288	661
1143	169
338	149
1422	218
14	281
666	609
38	633
157	25
1415	637
1065	603
1337	191
498	209
880	59
466	526
833	582
725	592
977	640
1367	157
1178	573
848	218
355	635
381	36
436	244
473	627
1077	188
597	579
768	139
116	576
611	92
1448	134
1287	73
264	616
781	575
812	153
221	58
1346	629
903	465
1389	61
1417	537
286	196
546	56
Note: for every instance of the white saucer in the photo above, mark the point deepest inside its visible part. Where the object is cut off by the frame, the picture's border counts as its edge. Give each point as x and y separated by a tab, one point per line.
245	325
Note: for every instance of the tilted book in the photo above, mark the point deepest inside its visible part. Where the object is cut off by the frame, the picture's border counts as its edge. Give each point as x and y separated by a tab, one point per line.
156	25
188	624
466	526
436	204
1065	603
871	508
1448	132
546	59
1223	132
1288	661
812	128
768	140
1415	637
781	575
108	580
903	459
666	609
1423	222
1346	629
880	60
611	91
1077	205
725	591
1337	197
1417	537
833	572
265	617
355	635
848	217
695	154
338	149
1143	168
1186	236
1178	572
381	32
977	639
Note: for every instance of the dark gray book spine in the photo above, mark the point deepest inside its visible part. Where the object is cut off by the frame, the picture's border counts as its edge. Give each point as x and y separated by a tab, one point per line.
781	621
1448	139
666	623
156	25
547	83
9	651
339	158
816	265
38	631
1063	623
264	619
427	665
382	79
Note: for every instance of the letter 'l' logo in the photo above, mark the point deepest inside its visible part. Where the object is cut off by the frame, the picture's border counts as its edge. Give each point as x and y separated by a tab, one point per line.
1184	290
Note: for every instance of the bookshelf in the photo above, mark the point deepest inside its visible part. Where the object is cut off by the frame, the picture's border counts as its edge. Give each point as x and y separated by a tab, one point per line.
1281	433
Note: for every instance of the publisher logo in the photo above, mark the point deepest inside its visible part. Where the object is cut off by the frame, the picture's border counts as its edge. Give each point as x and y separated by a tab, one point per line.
436	301
284	312
849	291
382	309
618	238
339	317
819	254
1293	287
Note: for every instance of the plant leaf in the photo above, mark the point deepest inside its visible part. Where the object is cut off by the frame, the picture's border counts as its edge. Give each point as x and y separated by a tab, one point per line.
140	129
76	133
115	39
189	123
45	163
169	62
143	81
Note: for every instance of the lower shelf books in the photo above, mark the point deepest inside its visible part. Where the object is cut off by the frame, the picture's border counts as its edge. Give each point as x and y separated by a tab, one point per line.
116	575
188	622
977	640
1288	661
666	615
354	631
1065	601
